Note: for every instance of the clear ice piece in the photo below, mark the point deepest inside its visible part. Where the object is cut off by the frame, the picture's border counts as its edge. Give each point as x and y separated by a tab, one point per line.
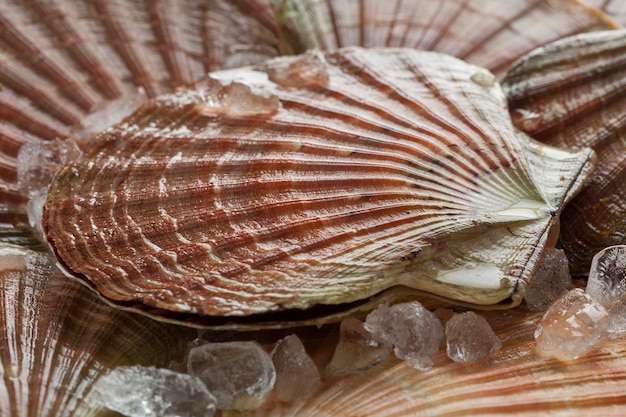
356	350
469	338
140	391
296	373
414	332
38	163
300	71
550	281
571	326
607	276
239	374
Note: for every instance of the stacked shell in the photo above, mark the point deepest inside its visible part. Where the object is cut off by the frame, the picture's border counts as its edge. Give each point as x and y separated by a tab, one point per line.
571	93
262	194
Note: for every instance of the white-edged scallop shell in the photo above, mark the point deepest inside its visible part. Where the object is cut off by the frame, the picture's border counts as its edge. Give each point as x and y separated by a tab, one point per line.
247	194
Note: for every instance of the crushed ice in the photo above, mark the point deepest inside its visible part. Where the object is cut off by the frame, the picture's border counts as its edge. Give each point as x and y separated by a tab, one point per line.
37	164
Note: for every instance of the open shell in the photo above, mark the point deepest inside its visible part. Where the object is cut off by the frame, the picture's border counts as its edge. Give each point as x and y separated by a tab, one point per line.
58	338
572	93
488	33
247	195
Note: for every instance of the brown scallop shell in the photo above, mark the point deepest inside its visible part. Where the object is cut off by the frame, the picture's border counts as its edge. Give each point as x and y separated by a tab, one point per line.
58	338
572	93
313	180
488	33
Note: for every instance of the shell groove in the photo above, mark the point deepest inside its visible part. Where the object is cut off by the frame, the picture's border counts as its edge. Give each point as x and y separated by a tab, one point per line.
572	93
361	179
482	32
58	338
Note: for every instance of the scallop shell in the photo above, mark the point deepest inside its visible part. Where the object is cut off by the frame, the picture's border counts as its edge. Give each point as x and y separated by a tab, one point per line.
58	338
515	381
483	32
571	93
319	179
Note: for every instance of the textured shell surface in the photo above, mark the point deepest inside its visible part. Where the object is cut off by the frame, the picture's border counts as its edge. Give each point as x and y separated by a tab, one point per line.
482	32
246	195
572	93
58	338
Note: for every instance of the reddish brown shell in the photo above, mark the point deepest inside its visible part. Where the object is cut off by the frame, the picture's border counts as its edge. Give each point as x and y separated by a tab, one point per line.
313	180
572	93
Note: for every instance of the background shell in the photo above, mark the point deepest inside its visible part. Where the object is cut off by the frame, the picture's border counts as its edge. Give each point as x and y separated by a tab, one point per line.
57	338
571	93
359	179
482	32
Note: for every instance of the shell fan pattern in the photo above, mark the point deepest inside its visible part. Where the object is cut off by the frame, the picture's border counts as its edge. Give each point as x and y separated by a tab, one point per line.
247	195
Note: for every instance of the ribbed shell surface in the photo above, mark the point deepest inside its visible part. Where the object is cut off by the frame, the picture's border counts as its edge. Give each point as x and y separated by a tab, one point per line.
313	180
572	93
58	338
69	68
489	33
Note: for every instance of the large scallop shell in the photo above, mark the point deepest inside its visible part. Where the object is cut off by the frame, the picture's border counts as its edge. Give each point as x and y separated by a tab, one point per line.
572	93
313	180
58	338
488	33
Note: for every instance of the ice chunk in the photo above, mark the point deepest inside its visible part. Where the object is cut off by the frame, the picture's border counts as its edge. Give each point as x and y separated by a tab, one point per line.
617	320
231	98
239	374
296	374
357	350
469	338
414	332
550	281
139	391
572	325
38	163
607	276
300	71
